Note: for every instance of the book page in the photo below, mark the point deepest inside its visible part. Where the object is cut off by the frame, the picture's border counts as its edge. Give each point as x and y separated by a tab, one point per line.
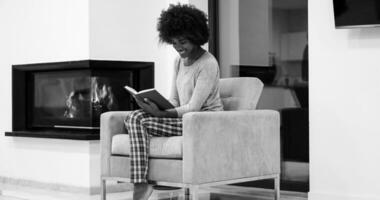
130	90
146	90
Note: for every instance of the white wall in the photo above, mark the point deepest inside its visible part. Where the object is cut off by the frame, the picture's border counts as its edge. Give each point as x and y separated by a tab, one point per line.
42	31
5	69
126	30
49	30
344	108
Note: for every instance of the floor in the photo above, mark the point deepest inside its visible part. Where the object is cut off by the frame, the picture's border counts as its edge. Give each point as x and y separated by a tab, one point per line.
12	192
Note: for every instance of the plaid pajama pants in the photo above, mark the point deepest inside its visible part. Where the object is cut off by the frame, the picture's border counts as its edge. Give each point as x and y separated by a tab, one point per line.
141	126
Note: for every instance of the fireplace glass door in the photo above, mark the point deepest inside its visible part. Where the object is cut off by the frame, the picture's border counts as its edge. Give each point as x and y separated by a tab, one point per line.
75	98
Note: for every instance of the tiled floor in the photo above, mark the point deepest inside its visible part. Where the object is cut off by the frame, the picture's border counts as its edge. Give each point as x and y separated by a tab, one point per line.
11	192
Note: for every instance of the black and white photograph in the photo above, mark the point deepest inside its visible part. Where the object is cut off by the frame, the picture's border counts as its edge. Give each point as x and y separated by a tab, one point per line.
190	99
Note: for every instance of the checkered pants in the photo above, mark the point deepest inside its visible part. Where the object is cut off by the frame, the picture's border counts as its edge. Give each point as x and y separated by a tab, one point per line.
141	126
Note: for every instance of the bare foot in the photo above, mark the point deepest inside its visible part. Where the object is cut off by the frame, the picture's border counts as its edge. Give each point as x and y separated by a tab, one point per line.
142	191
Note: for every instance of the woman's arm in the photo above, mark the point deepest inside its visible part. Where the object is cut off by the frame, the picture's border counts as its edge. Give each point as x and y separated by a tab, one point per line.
151	108
206	81
174	98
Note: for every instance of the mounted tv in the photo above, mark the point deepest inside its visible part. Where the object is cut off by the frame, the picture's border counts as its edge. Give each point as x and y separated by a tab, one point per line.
356	13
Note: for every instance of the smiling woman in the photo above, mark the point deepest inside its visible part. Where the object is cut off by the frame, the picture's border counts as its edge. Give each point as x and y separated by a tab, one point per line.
187	37
195	88
187	50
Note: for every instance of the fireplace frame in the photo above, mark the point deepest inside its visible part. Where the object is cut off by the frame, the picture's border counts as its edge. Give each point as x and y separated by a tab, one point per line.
143	73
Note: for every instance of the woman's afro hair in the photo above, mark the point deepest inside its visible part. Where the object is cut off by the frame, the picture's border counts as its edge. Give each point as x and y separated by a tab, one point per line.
183	20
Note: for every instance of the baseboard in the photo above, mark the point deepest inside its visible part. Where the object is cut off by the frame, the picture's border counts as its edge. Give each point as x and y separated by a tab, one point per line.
330	196
111	188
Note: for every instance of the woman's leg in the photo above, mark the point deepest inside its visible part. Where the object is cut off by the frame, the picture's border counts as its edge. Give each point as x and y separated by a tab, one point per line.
141	126
139	143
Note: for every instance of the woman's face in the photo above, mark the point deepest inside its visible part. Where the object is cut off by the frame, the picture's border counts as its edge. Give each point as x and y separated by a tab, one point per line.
183	46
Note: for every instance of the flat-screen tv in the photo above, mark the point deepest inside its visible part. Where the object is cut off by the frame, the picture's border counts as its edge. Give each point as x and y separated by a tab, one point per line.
356	13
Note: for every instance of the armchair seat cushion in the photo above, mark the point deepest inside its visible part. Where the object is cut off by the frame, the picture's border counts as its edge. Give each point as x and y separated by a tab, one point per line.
160	147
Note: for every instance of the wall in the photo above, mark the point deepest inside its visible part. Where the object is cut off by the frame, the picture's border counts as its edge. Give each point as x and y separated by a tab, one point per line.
126	30
49	30
344	108
42	31
5	70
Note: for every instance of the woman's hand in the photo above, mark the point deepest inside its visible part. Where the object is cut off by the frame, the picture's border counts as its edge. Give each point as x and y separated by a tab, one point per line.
149	107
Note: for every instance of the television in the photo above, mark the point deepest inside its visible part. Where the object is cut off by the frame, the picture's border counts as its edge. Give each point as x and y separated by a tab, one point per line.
356	13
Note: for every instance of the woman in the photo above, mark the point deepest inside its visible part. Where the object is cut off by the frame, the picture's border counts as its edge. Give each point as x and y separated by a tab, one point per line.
195	88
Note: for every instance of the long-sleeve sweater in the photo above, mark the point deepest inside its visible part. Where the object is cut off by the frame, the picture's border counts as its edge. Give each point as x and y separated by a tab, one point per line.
196	87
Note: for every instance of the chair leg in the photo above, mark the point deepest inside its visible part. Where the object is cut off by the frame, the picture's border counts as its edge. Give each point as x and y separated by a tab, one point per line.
103	189
277	188
187	194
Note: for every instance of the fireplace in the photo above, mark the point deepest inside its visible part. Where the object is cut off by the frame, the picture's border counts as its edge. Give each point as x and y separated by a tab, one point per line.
65	99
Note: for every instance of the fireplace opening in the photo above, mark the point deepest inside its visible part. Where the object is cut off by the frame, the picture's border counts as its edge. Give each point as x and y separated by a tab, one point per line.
75	98
66	99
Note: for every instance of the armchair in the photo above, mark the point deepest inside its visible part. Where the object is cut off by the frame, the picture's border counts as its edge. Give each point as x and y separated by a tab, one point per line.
236	145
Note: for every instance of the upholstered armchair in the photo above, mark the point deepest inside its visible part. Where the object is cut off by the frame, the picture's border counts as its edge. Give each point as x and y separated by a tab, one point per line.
236	145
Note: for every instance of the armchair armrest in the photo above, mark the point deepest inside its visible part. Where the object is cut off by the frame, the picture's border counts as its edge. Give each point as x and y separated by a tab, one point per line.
227	145
111	123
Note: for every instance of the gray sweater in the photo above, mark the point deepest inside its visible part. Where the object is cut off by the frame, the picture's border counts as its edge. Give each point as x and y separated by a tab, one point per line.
196	87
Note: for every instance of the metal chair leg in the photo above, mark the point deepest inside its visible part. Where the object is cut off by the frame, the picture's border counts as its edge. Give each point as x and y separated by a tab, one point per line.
103	189
277	188
187	194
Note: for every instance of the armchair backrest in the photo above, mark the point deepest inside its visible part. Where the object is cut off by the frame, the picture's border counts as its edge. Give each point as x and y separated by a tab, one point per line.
240	93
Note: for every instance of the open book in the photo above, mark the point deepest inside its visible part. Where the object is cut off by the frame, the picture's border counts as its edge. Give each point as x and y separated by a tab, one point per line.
153	95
